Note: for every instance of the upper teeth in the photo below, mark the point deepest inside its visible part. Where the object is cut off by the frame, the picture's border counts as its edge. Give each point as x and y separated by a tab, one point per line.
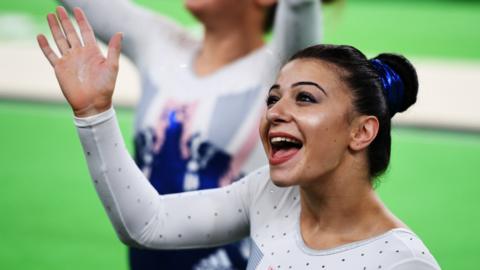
282	139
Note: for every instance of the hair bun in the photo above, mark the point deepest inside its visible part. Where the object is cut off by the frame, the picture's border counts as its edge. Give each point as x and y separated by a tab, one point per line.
400	65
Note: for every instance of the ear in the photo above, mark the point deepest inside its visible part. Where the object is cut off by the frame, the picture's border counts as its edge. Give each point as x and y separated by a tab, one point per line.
364	132
266	3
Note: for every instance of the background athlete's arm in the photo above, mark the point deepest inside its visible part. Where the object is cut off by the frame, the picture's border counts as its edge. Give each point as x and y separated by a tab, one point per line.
298	24
139	25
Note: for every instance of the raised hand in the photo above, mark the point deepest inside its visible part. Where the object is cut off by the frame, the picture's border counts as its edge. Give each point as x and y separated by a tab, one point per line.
86	77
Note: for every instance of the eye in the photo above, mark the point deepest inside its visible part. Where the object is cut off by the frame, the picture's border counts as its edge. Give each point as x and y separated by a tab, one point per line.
271	100
305	97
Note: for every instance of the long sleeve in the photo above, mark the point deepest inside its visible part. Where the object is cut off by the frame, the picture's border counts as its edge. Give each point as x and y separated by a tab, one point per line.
298	24
142	217
141	27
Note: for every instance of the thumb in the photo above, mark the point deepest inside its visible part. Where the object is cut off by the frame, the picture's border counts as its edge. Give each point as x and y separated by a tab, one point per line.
114	49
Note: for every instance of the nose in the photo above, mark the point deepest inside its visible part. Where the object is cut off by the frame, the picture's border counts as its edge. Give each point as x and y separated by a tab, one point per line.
280	112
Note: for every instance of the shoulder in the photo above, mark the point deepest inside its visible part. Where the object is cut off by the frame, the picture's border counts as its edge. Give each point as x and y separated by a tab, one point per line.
261	65
416	254
162	31
397	249
415	264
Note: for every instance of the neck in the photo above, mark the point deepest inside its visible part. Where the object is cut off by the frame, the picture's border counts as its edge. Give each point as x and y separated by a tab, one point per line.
222	46
342	209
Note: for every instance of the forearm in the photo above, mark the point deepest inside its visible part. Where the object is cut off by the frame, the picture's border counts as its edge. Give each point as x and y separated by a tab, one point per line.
104	15
298	24
108	17
143	30
117	184
140	216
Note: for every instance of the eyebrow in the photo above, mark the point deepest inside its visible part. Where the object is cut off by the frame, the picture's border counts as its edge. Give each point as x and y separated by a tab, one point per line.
310	83
276	86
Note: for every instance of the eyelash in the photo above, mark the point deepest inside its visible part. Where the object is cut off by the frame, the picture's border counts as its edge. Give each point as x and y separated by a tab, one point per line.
271	100
302	97
305	97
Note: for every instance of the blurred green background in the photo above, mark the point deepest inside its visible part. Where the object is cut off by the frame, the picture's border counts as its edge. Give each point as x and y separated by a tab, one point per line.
438	28
51	217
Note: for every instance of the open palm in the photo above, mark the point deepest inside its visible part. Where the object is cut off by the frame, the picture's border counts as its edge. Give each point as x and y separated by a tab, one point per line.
86	77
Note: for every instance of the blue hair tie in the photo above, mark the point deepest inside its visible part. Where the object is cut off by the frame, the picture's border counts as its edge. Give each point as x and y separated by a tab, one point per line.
392	85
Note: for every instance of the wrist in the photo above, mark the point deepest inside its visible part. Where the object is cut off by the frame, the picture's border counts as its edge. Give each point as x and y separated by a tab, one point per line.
91	110
95	119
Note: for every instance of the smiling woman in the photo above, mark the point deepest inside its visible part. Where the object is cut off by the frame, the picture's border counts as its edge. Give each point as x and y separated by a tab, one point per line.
332	99
326	131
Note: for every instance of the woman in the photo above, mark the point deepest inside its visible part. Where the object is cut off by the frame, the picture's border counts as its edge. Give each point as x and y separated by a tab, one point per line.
326	132
193	90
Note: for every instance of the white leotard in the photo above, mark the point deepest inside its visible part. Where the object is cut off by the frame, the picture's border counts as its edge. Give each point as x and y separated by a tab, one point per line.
252	206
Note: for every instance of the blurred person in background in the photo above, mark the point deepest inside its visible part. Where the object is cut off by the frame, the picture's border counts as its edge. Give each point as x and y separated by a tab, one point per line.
197	118
326	132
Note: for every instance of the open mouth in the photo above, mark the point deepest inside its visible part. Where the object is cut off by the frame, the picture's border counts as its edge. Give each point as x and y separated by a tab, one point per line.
283	148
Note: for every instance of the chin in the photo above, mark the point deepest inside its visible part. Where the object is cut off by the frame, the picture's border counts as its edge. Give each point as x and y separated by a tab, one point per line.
197	5
193	5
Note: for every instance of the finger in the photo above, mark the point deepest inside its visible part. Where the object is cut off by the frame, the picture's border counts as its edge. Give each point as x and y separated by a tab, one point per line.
68	28
57	34
114	49
47	50
85	29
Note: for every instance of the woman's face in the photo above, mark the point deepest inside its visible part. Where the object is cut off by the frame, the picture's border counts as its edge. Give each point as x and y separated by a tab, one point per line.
227	11
306	128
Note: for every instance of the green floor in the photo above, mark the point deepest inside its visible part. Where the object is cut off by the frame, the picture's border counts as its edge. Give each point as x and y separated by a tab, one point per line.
52	218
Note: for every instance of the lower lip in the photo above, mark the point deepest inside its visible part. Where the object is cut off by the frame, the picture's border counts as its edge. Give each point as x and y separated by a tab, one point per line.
276	158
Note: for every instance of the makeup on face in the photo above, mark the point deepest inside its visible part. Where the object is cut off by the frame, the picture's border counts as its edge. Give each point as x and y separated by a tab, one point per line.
304	129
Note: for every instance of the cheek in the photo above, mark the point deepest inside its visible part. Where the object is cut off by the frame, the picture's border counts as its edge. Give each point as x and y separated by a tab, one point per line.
313	126
263	130
326	135
312	121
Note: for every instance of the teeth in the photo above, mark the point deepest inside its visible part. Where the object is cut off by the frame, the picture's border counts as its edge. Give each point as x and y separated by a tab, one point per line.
283	139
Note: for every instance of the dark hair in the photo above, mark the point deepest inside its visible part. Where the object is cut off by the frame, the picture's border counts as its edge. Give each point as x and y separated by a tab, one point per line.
271	12
365	82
